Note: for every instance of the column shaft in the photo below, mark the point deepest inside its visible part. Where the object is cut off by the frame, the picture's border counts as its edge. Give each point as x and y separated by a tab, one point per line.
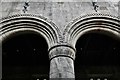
62	63
61	67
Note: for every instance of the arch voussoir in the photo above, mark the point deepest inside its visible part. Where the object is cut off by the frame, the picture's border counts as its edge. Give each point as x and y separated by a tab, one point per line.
101	23
32	23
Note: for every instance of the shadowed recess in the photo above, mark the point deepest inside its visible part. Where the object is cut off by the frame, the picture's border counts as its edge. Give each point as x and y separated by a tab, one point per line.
25	57
97	56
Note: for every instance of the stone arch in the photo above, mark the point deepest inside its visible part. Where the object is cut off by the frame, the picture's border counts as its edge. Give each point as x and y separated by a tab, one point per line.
100	23
21	23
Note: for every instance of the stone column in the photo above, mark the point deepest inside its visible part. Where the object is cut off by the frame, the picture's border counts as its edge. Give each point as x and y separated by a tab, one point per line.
62	62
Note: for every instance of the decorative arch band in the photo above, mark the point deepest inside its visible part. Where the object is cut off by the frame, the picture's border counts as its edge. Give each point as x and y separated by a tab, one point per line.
29	23
100	23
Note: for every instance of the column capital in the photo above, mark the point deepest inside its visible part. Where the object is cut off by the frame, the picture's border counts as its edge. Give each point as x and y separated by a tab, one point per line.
62	50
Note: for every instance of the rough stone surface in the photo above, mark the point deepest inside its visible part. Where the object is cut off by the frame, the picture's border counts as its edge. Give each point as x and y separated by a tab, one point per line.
62	51
61	13
62	67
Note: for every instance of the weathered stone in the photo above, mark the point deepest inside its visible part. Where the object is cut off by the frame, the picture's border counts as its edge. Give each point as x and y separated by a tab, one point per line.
62	67
61	64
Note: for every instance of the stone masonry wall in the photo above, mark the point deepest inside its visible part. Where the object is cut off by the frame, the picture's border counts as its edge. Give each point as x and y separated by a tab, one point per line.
59	12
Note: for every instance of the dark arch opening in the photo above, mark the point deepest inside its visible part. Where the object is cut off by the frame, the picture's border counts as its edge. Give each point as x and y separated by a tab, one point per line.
25	57
97	56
